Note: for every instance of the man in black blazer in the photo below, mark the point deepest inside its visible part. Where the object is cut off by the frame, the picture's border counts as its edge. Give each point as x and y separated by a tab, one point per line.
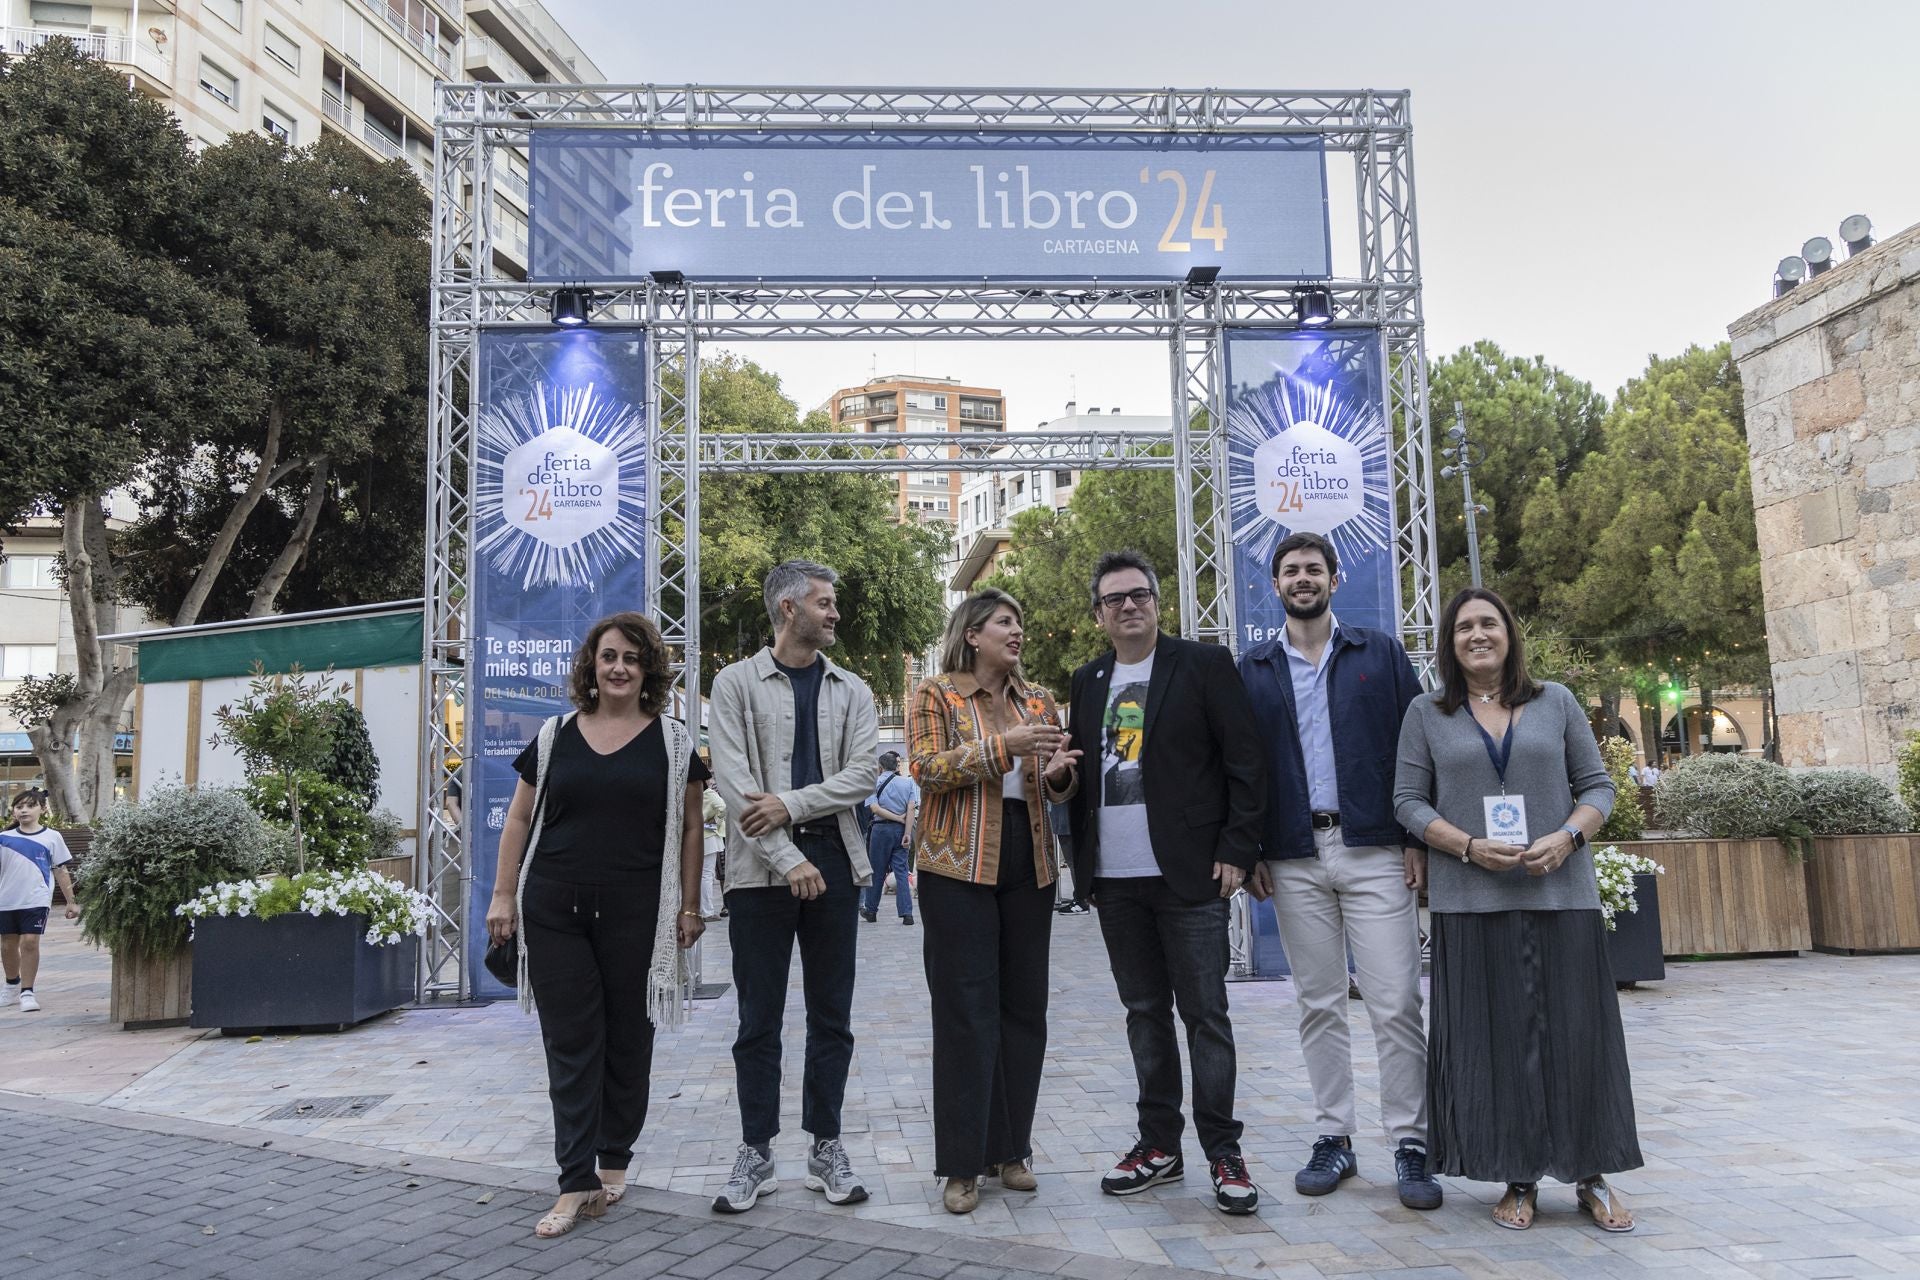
1167	825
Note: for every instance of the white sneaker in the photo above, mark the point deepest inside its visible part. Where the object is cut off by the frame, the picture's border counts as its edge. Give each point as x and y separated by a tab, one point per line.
28	1004
9	992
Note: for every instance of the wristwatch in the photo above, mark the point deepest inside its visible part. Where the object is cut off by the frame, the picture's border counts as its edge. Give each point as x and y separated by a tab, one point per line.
1579	837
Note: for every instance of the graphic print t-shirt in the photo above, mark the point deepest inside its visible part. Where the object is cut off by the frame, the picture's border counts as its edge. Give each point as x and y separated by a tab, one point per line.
1125	848
26	868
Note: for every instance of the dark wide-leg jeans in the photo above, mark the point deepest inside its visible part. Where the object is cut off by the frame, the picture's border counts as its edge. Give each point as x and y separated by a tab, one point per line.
1169	954
986	949
588	947
762	926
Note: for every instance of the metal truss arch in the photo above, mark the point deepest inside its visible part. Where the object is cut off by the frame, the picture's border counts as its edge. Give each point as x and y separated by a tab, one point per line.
473	292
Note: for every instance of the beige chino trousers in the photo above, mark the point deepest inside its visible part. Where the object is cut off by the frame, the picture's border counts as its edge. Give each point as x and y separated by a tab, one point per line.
1355	898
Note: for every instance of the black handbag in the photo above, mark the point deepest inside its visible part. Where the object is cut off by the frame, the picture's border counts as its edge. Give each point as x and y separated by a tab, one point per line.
503	960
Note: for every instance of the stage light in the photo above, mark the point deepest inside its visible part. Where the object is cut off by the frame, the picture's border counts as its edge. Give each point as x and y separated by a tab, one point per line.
669	278
1819	254
571	308
1313	307
1857	232
1789	273
1201	277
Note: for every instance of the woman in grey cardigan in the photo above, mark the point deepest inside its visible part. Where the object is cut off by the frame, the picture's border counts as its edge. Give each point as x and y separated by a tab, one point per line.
1526	1063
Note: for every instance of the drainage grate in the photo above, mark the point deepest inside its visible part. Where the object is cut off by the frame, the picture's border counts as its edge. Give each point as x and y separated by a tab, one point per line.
326	1108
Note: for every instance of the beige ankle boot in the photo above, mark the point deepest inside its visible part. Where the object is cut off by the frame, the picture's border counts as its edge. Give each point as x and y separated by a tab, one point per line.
961	1195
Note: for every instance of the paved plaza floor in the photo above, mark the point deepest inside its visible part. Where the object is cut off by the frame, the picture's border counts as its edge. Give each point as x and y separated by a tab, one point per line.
1778	1105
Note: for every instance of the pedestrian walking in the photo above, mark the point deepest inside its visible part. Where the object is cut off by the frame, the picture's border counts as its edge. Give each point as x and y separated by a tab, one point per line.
989	753
1165	832
794	737
1527	1074
1344	878
713	842
33	857
598	860
893	804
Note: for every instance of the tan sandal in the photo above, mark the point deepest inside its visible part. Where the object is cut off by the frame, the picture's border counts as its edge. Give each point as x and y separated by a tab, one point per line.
616	1191
592	1205
1604	1205
1518	1206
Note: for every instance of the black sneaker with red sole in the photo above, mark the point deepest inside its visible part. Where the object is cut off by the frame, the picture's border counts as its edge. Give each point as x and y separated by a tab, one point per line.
1140	1168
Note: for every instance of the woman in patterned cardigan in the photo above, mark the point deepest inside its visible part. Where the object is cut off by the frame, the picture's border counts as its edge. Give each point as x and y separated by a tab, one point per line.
989	753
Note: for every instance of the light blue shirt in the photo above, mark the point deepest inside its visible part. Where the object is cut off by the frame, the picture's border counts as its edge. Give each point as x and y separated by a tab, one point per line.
1316	726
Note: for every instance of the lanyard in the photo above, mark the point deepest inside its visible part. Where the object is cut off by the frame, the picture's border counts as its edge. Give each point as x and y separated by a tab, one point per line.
1502	752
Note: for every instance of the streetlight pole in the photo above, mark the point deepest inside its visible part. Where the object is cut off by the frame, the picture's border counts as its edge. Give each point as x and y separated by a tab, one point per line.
1465	453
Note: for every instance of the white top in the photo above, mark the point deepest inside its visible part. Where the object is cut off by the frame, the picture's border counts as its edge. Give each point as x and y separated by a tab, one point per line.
26	868
1125	849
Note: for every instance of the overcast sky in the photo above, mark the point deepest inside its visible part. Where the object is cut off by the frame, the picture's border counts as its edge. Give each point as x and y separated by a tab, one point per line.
1595	182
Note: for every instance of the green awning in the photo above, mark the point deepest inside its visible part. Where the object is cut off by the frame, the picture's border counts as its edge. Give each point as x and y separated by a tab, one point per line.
385	640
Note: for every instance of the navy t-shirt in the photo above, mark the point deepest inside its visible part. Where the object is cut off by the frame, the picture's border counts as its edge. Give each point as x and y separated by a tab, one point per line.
606	814
806	721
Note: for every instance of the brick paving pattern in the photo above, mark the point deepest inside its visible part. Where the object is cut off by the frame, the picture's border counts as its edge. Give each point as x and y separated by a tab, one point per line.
1777	1107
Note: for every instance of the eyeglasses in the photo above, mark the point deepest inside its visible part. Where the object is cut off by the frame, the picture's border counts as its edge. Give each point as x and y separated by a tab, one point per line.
1141	597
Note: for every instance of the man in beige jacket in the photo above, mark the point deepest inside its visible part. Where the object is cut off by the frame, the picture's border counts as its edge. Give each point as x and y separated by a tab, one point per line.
793	739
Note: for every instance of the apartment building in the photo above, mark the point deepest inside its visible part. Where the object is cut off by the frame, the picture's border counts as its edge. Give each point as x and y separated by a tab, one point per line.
910	403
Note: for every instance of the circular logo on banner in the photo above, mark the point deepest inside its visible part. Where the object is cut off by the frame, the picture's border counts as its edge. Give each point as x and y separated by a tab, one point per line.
559	487
1308	479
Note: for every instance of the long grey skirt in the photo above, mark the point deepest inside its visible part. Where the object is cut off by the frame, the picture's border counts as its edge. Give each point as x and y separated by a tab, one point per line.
1526	1063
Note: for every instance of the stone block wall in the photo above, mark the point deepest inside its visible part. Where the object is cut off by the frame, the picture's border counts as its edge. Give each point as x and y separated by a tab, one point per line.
1831	374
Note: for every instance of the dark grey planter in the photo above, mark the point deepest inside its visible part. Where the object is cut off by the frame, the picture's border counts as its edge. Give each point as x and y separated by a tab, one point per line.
295	971
1633	948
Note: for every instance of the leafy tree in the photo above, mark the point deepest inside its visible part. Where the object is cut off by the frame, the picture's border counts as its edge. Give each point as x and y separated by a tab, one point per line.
1535	424
1648	547
890	590
327	251
110	353
228	337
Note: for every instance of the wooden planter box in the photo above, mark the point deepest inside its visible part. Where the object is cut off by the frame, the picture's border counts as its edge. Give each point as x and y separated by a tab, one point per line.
399	870
1864	893
1728	897
296	970
148	992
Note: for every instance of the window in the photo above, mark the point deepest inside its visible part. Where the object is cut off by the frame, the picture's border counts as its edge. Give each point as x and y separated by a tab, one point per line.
281	48
228	11
61	17
979	506
31	573
277	123
221	84
18	661
1063	479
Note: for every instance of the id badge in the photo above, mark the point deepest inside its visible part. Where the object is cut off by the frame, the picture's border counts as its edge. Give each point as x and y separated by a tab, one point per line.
1507	819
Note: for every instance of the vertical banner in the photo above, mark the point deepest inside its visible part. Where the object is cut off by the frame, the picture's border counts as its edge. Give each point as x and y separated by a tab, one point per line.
1308	450
559	539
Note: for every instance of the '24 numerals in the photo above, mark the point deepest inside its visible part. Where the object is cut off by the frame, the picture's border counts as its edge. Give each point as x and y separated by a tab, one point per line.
1215	230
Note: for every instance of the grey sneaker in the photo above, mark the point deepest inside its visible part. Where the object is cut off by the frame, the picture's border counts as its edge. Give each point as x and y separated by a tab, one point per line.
829	1170
752	1177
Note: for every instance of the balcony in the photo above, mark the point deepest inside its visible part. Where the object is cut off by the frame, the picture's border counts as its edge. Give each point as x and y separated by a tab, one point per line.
111	48
488	59
376	137
531	37
420	40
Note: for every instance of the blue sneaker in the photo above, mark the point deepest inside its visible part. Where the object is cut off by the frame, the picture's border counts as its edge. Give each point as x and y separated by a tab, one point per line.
1331	1164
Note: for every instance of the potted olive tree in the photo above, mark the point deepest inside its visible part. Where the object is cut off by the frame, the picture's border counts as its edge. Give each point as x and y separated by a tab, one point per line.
146	858
332	944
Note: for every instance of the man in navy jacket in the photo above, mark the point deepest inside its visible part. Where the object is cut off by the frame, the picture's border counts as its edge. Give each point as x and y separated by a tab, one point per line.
1329	699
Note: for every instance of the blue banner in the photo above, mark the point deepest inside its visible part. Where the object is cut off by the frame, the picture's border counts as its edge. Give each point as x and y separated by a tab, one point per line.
1308	449
616	205
559	540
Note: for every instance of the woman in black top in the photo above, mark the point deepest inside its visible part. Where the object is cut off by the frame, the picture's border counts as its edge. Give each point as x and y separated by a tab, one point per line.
598	908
